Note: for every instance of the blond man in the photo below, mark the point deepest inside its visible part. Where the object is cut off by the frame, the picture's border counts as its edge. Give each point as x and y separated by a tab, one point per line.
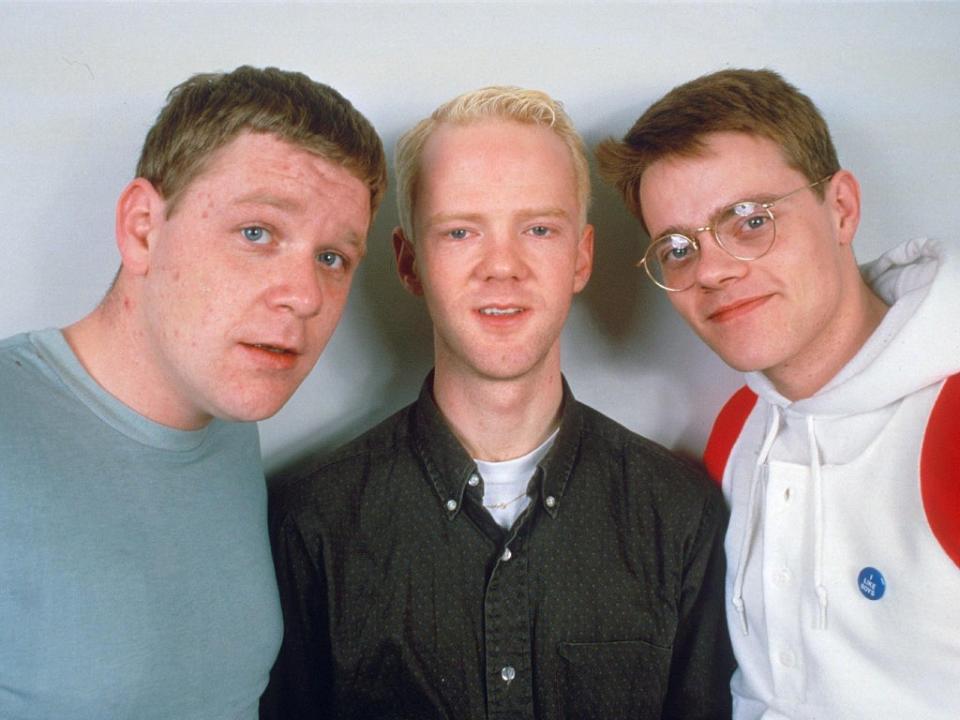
135	573
497	549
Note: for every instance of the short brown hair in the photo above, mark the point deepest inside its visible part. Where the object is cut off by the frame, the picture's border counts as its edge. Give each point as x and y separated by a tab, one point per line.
496	102
758	102
211	109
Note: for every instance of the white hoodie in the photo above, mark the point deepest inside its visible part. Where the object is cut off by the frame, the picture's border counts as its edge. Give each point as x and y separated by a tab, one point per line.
825	499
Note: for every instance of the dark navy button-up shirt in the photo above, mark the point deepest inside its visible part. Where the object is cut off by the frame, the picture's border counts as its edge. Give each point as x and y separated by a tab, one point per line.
402	598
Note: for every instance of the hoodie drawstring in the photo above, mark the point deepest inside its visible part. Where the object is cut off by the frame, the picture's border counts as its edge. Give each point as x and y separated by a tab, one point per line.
752	518
818	523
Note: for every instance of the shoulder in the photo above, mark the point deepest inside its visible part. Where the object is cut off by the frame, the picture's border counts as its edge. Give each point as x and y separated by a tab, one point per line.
13	343
31	392
726	429
646	467
329	480
603	433
19	359
939	460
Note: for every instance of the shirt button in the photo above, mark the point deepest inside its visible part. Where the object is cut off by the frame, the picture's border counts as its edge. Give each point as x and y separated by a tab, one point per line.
551	501
787	658
451	505
508	673
506	555
782	577
474	480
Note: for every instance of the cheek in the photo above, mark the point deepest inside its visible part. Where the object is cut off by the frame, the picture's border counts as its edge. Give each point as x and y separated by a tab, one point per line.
814	281
683	304
335	296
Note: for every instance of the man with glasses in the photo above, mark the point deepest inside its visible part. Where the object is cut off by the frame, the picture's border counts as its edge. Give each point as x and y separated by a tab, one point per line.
840	457
497	549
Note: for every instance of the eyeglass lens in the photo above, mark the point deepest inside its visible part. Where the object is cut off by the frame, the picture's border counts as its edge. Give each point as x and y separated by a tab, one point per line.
745	231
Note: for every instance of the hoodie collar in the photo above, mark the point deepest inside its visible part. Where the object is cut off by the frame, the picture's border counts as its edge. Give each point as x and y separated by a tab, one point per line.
914	346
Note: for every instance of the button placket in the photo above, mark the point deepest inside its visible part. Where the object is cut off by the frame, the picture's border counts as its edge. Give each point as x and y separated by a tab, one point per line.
507	637
784	537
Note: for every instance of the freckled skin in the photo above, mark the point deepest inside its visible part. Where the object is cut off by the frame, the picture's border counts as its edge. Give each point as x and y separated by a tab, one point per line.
229	301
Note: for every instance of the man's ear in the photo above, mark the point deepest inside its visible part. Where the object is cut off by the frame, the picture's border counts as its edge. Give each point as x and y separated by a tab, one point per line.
843	195
406	256
140	213
584	264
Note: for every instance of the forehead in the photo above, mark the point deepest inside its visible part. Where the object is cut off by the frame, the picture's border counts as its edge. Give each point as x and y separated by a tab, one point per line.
731	166
493	158
262	161
722	153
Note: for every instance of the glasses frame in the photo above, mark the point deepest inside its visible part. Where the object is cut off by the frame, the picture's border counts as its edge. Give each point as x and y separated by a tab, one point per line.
712	227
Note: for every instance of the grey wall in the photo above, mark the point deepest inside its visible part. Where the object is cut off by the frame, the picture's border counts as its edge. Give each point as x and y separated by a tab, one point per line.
81	82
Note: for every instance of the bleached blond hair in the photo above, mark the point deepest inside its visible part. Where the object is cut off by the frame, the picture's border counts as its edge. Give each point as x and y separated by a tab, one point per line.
496	102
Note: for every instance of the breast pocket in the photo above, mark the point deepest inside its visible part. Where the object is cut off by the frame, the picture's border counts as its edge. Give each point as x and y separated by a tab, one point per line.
612	680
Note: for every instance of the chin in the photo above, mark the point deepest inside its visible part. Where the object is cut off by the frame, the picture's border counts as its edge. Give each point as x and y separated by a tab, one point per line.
508	374
253	411
747	364
741	362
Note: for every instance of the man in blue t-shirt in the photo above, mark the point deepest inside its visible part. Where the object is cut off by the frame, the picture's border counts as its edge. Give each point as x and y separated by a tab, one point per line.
135	571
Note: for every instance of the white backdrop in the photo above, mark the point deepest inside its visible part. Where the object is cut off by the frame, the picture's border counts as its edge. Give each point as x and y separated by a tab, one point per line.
81	82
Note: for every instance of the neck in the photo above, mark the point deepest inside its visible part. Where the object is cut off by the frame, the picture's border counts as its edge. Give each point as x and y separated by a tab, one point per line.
113	349
498	420
852	328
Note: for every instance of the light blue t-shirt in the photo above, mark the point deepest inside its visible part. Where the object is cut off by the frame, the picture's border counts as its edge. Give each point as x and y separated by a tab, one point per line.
135	571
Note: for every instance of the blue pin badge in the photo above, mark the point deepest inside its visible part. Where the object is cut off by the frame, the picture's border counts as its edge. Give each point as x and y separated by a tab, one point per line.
872	584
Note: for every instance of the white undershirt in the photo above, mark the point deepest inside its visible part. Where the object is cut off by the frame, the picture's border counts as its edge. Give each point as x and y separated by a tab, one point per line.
505	483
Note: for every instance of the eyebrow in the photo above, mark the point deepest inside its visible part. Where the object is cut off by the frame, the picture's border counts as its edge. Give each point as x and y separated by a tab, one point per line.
687	230
360	243
522	214
551	212
260	198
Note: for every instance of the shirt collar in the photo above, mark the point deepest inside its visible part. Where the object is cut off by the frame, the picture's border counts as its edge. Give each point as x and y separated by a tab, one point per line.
448	465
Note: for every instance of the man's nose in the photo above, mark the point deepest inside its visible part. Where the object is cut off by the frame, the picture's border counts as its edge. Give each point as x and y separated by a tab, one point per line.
297	286
716	266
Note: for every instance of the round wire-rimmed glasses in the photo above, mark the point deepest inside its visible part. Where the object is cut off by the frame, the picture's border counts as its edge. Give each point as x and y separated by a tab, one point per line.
745	230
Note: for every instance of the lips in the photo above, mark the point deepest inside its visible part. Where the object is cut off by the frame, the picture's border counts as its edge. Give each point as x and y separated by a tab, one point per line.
737	308
271	356
274	349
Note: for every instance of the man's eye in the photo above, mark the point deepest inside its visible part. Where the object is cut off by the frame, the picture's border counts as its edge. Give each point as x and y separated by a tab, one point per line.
330	259
256	234
458	233
540	230
745	217
674	250
751	228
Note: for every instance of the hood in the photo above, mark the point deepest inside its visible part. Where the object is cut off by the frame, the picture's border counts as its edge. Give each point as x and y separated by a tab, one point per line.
917	343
